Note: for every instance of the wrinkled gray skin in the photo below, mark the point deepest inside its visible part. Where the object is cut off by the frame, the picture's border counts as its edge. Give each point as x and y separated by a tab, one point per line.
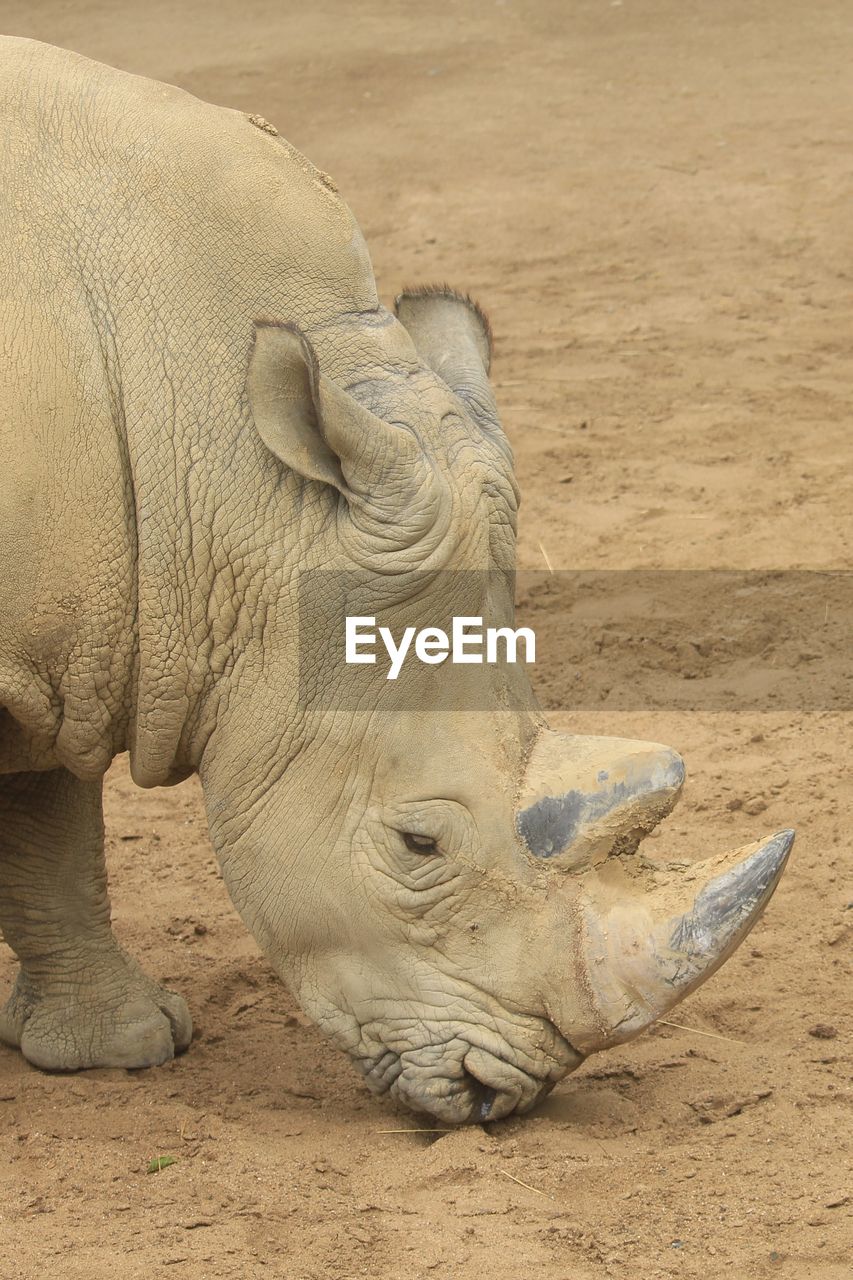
453	895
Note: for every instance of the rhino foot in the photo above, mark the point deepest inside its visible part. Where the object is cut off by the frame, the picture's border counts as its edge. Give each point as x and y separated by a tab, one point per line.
80	1000
122	1020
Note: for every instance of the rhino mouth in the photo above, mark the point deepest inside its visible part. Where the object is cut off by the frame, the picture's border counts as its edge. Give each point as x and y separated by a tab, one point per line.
487	1099
459	1082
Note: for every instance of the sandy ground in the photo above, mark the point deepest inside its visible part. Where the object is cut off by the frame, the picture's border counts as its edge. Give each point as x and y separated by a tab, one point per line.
652	199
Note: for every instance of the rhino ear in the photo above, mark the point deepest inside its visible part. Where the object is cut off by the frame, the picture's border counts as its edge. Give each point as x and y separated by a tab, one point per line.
323	433
284	395
453	336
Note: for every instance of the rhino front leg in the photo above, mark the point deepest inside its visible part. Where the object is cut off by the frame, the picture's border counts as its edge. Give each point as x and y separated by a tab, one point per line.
79	1000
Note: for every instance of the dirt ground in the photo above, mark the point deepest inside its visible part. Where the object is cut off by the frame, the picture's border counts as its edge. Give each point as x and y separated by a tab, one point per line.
652	199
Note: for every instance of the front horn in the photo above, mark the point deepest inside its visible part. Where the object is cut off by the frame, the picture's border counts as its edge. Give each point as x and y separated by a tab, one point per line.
642	954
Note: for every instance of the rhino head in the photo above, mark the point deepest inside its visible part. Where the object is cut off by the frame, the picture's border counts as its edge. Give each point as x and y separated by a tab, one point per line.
452	889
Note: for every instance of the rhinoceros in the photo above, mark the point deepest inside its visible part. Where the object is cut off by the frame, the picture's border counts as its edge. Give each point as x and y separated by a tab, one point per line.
201	398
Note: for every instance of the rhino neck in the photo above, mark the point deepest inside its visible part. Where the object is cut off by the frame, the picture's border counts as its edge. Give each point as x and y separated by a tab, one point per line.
222	528
215	549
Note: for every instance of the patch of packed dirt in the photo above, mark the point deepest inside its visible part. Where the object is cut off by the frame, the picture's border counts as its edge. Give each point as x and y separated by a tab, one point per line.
652	200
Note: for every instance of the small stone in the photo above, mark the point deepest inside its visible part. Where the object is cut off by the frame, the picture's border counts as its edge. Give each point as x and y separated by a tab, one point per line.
200	930
823	1031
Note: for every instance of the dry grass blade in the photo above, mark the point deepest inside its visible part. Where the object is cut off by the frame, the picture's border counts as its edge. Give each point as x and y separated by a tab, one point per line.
539	377
413	1131
545	557
526	1185
713	1035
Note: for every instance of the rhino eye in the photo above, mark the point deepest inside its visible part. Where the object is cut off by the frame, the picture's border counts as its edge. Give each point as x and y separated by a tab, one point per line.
419	844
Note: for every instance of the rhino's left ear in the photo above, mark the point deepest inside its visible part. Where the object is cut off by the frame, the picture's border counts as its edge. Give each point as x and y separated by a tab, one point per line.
321	432
453	336
314	426
283	384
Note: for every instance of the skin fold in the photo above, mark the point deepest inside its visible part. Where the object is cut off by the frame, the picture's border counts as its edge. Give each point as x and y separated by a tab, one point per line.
203	408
